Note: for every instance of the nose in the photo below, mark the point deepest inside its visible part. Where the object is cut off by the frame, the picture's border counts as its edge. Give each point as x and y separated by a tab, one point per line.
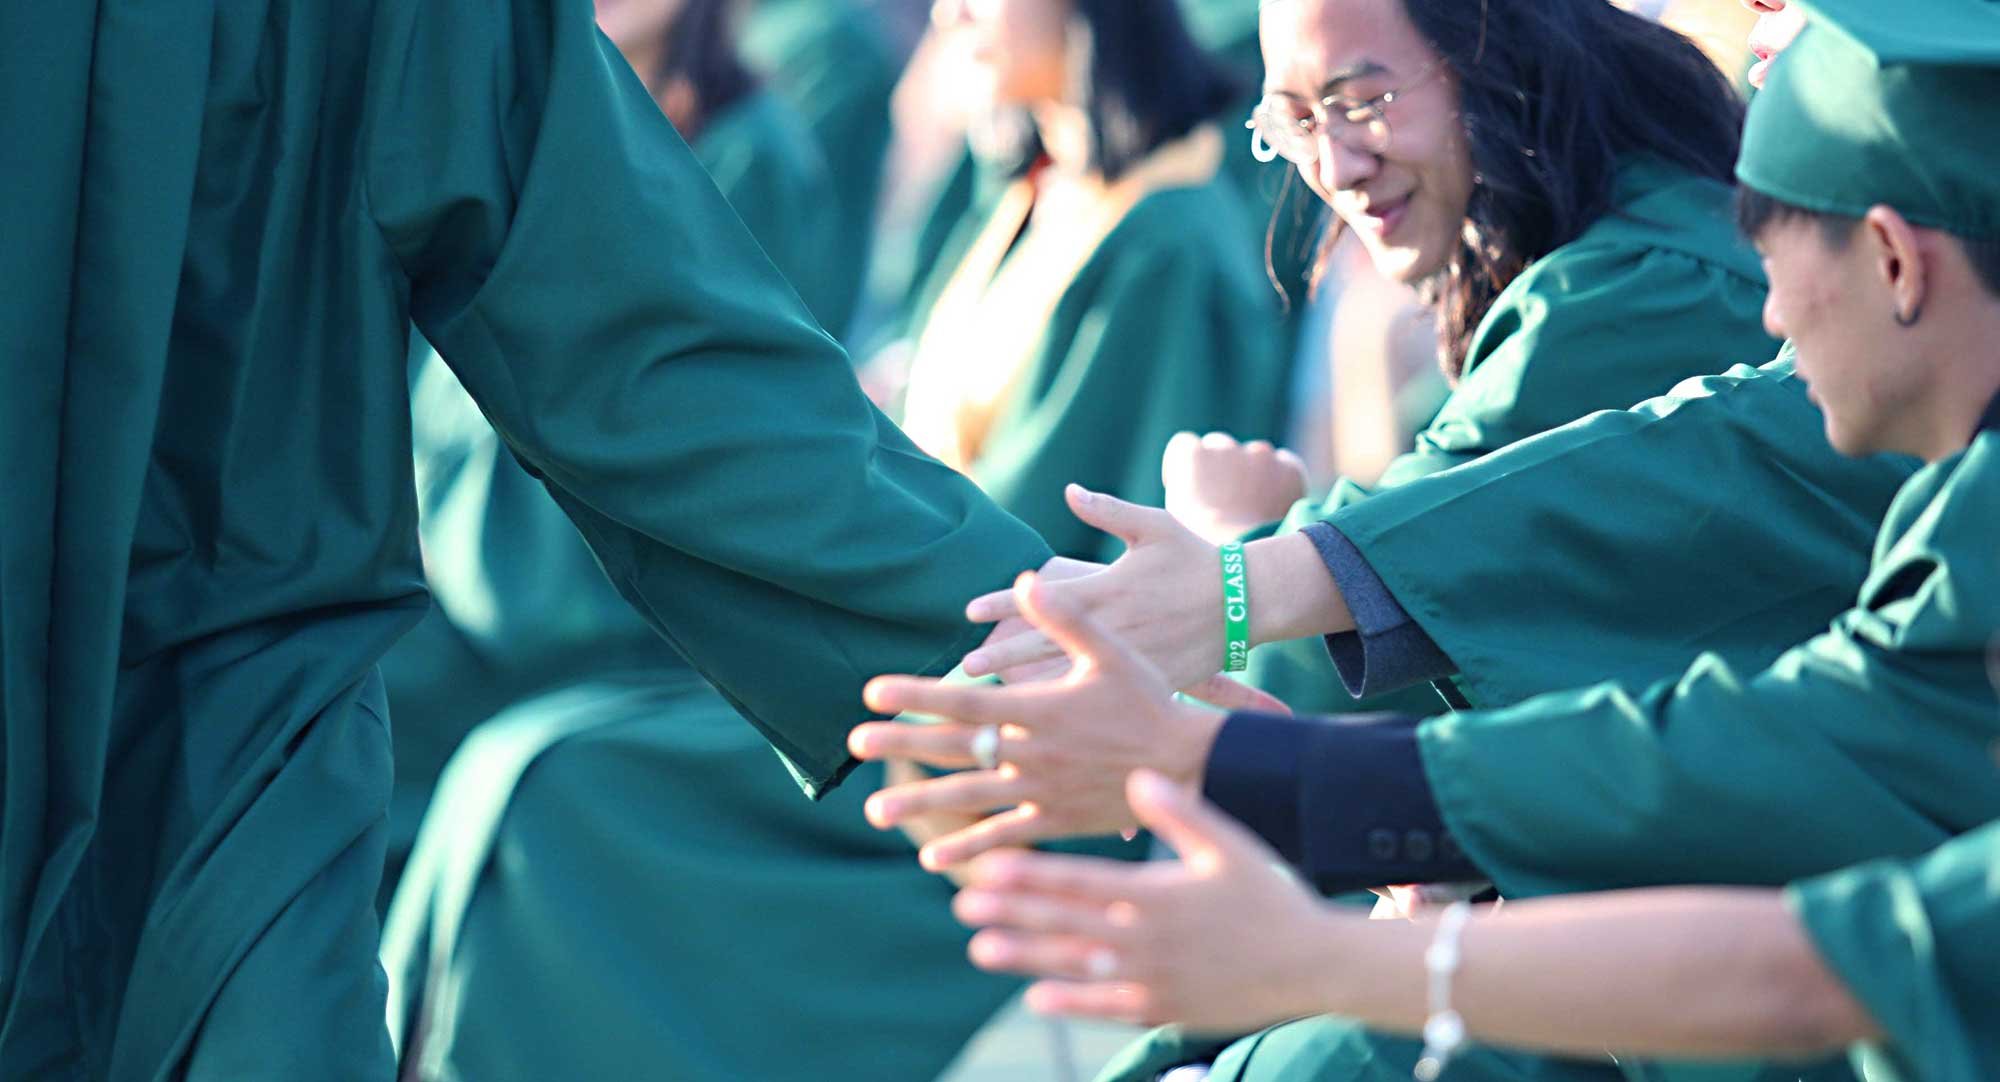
1341	166
1774	317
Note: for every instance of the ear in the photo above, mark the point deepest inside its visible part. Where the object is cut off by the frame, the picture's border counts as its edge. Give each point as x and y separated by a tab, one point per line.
1900	259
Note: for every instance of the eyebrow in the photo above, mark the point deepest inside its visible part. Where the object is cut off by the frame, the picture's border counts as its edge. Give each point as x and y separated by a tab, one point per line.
1360	69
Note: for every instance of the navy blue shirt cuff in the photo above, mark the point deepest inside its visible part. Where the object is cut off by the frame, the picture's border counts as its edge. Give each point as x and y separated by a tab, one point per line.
1387	650
1343	800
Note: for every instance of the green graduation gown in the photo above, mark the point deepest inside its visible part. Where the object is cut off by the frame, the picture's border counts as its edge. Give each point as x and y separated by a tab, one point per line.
221	224
1164	324
1918	943
1659	290
831	62
617	882
1867	740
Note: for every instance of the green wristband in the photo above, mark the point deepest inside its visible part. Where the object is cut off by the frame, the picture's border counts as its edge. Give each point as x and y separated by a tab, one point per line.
1235	610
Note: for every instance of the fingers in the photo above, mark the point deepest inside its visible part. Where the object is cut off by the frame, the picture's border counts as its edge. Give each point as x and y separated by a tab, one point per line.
945	746
1089	879
1041	913
1112	1002
971	792
1290	458
992	608
1068	626
1220	690
999	605
973	704
1199	832
1128	522
1037	955
1025	648
1024	825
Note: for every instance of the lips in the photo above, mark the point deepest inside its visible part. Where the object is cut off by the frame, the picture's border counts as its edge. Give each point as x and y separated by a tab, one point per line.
1382	218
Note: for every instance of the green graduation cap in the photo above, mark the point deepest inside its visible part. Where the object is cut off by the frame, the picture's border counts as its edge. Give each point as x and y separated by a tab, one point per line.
1877	102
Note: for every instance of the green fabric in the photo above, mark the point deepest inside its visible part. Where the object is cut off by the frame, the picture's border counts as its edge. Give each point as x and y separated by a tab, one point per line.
830	61
1885	103
607	945
1918	943
1869	739
616	883
520	603
1543	600
1658	291
220	226
1168	327
766	163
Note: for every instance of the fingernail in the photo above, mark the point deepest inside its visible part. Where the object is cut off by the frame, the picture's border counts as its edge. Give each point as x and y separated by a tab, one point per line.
1082	494
988	951
878	813
975	664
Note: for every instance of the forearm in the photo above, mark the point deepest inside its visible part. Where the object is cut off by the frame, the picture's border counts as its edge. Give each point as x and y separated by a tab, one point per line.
1674	972
1292	596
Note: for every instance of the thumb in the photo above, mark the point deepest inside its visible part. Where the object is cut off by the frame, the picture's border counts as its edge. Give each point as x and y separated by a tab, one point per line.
1198	831
1128	522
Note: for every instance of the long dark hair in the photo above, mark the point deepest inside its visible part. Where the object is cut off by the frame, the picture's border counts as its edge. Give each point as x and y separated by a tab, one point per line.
1140	79
1556	95
701	54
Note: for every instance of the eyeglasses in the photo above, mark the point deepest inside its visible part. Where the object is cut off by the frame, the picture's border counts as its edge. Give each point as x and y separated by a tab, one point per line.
1278	129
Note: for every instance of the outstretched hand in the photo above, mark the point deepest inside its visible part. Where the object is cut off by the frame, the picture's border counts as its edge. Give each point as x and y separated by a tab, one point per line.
1225	939
1163	597
1063	747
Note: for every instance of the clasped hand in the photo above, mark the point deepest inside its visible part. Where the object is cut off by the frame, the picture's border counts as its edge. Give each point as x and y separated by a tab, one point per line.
1065	746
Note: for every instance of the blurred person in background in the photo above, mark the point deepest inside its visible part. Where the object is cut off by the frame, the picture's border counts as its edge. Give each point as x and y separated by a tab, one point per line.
1113	295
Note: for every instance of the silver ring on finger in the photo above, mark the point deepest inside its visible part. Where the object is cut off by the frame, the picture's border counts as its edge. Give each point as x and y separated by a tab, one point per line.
986	747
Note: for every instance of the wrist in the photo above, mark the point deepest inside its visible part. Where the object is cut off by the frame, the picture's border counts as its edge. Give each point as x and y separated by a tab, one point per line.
1292	595
1196	727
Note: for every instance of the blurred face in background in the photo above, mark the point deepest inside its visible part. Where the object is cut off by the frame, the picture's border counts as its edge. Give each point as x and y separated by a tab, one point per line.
637	27
1387	148
1777	24
1016	50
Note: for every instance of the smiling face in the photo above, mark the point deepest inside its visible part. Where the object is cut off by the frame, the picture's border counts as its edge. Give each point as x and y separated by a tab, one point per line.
1018	49
1777	24
1408	203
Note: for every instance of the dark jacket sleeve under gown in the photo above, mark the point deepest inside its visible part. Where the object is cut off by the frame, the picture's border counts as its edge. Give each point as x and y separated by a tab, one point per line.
220	222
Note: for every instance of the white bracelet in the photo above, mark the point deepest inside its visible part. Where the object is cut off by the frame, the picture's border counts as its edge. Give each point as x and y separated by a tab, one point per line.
1444	1030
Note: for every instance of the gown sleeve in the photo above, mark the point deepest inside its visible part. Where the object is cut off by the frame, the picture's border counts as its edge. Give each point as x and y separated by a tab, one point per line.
1918	944
1871	739
1755	531
638	353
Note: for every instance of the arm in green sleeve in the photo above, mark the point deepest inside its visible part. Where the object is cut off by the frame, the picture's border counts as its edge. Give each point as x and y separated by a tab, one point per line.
1714	519
633	346
1918	943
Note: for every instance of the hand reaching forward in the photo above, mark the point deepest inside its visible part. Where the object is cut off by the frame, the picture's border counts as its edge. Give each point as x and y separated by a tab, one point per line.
1222	489
1060	749
1221	940
1163	597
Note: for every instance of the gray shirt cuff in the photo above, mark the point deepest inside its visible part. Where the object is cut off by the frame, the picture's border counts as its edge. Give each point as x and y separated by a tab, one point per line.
1387	650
